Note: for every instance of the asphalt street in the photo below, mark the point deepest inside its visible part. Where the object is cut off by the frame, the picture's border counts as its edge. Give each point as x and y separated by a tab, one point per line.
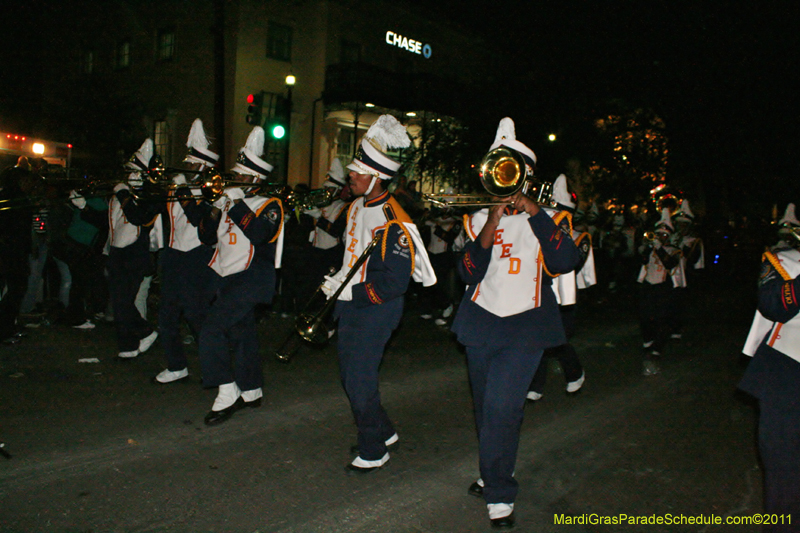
98	447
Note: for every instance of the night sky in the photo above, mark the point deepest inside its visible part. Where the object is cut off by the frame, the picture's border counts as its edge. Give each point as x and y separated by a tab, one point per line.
722	75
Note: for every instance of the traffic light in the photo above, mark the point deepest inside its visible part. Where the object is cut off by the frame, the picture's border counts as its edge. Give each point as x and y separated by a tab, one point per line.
255	104
279	123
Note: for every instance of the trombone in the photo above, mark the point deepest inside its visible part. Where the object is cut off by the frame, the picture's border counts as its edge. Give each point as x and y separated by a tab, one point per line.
311	326
503	173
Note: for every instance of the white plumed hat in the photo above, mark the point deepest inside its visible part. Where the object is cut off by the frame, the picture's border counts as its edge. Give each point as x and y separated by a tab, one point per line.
198	146
666	221
140	160
249	159
561	195
506	136
387	132
789	217
335	175
684	213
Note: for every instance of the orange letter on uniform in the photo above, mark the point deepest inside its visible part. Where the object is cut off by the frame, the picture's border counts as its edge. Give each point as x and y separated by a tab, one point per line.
232	238
514	265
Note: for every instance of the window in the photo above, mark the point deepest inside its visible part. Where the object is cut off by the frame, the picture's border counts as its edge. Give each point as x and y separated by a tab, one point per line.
279	41
344	145
351	52
161	139
165	45
123	59
87	62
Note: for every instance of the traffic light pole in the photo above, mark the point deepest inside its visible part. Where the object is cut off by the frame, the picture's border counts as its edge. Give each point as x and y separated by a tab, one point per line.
288	131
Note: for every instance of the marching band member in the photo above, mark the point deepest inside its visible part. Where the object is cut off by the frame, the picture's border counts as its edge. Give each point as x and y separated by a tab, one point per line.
566	288
246	233
660	272
773	375
445	232
185	274
129	261
507	317
370	306
328	235
692	255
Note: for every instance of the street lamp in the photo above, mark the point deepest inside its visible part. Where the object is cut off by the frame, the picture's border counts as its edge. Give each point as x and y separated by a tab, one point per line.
290	81
551	137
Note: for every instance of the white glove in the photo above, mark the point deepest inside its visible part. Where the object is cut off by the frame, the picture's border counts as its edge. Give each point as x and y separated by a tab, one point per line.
332	284
221	202
180	179
121	187
314	213
234	193
77	200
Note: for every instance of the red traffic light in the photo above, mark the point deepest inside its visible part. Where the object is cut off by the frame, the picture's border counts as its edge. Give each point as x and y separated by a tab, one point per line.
250	98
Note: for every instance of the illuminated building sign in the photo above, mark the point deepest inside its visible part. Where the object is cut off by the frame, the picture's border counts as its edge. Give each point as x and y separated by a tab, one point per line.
411	45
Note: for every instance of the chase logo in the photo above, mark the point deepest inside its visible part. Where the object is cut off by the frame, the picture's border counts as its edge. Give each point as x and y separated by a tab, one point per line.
411	45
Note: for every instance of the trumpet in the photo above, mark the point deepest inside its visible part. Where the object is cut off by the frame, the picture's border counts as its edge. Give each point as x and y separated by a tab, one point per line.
311	326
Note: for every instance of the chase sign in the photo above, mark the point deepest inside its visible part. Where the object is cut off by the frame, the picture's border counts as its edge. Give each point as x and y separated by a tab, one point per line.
415	47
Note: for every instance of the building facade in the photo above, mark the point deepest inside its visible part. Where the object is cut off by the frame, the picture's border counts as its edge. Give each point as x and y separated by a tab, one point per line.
165	63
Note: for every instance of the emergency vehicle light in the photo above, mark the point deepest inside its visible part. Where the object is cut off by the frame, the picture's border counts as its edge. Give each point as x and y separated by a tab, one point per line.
38	148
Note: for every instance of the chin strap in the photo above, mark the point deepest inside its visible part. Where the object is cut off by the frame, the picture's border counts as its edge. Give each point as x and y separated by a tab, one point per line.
371	185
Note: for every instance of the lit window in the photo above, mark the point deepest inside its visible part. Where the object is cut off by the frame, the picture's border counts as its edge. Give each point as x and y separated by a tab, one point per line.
166	44
279	41
123	54
344	146
161	139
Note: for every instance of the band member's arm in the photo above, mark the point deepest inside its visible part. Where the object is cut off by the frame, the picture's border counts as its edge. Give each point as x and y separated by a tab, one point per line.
669	259
259	228
777	298
558	249
388	273
195	211
692	252
137	213
209	223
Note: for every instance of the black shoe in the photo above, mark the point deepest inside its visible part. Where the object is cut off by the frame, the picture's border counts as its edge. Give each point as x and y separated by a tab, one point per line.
506	522
475	490
218	417
254	404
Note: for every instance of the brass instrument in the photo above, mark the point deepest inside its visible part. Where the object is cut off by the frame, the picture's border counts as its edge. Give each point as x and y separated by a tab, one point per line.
665	198
504	173
311	327
648	237
788	228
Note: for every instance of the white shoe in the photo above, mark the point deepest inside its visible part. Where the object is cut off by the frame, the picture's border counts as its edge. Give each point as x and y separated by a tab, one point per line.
129	355
331	332
676	336
147	342
168	376
86	325
358	462
647	344
392	440
499	510
440	322
426	316
227	396
575	386
447	312
650	368
252	395
533	396
188	339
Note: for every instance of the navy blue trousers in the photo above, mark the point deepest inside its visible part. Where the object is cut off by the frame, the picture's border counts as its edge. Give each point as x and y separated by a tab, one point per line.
185	280
363	334
228	346
500	375
127	267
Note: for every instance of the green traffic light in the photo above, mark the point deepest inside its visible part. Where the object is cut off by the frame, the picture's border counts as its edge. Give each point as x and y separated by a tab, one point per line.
278	131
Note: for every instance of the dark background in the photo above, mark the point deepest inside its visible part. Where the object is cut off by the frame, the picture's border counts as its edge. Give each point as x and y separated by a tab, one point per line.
723	76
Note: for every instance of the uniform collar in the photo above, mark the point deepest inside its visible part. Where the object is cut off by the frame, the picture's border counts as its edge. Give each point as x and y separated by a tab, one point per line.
378	200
